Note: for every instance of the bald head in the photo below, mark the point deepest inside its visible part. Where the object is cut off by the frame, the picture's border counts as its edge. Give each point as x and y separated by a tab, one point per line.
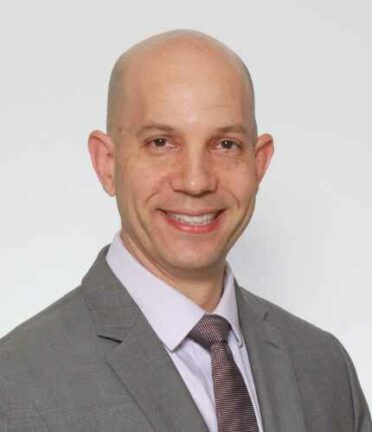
171	52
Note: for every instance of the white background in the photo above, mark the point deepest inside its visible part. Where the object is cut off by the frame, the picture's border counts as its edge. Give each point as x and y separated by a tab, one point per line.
308	247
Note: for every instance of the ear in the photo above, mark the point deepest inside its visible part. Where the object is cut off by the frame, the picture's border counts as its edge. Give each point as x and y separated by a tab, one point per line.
102	153
264	150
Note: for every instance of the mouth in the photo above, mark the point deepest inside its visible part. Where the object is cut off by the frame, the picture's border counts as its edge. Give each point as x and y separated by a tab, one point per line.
203	219
198	223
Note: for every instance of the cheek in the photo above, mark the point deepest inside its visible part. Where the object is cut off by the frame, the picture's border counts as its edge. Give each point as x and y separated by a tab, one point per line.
138	180
240	181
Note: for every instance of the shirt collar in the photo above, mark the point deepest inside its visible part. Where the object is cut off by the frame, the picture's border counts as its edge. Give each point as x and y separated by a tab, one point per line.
163	305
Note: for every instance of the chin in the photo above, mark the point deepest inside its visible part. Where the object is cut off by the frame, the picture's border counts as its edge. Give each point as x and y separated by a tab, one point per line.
193	261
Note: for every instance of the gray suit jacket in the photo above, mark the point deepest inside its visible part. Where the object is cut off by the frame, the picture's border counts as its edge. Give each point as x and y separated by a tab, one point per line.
91	362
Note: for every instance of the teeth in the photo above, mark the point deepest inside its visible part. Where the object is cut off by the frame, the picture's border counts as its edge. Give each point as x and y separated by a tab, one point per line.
193	220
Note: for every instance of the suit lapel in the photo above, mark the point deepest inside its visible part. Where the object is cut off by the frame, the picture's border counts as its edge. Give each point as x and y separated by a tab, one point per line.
141	363
274	376
139	359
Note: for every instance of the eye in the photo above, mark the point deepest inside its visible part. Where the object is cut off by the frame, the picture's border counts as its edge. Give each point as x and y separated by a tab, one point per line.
227	144
159	142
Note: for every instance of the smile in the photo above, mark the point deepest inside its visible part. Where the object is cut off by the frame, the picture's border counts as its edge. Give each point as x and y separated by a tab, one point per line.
199	220
203	223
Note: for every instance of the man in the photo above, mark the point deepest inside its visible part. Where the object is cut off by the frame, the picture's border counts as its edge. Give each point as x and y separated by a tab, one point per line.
159	337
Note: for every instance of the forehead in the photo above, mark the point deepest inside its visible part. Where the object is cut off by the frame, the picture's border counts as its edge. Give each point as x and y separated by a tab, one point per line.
180	83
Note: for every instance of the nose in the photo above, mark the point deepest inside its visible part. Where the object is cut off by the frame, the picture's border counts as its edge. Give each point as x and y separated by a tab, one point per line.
194	174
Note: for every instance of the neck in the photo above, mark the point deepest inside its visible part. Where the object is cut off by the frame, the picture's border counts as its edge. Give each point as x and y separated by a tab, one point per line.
203	286
205	291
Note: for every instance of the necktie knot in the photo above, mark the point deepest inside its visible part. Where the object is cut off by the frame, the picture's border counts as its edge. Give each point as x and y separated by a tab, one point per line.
210	330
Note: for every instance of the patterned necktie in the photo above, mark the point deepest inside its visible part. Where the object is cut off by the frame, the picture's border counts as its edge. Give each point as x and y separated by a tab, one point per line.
234	407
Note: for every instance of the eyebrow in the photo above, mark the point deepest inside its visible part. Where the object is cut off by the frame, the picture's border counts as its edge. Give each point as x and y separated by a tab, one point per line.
237	128
156	126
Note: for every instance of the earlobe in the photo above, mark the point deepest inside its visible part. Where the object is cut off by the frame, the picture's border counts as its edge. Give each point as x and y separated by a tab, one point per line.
264	151
102	153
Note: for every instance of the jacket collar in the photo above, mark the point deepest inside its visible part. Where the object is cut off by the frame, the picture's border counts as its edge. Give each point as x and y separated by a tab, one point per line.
139	359
275	380
141	363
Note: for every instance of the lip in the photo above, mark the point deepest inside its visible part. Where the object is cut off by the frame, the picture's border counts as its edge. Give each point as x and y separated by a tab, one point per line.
193	229
192	213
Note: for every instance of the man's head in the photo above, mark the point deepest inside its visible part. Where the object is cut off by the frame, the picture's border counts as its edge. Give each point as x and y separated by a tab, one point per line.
181	153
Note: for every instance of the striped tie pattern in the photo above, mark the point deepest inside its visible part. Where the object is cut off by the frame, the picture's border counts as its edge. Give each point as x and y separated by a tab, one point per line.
234	409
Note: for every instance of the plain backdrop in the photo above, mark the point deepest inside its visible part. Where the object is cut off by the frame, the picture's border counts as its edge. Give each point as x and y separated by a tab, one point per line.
308	247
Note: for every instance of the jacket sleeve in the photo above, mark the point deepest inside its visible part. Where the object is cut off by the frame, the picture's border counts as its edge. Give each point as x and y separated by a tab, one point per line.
362	416
16	413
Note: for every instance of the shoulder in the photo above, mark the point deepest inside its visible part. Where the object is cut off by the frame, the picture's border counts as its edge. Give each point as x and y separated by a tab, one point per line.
37	360
313	351
295	328
45	337
319	360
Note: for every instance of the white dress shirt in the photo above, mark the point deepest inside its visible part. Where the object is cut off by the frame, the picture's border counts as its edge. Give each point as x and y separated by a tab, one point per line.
172	315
